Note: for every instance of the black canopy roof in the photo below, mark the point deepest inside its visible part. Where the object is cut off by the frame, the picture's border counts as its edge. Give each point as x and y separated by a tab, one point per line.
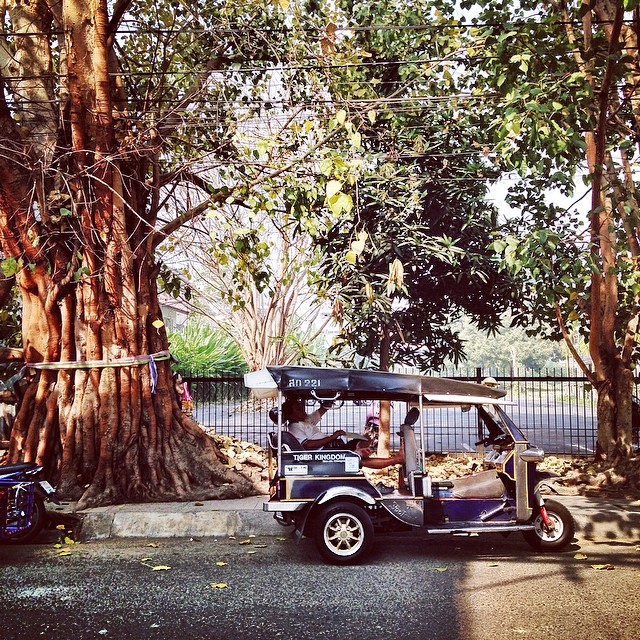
362	384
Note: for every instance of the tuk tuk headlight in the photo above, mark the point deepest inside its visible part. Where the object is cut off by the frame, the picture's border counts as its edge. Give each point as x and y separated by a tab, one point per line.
534	454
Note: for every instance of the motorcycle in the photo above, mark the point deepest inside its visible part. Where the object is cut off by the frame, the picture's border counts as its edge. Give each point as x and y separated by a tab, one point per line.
22	502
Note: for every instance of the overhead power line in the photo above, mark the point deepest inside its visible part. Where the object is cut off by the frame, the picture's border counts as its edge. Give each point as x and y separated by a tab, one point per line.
319	31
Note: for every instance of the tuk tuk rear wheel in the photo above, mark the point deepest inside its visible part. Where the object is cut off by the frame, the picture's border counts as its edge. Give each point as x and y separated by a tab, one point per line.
344	533
560	536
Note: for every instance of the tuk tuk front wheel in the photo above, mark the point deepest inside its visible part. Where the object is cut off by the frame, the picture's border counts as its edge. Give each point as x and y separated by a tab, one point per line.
344	533
546	539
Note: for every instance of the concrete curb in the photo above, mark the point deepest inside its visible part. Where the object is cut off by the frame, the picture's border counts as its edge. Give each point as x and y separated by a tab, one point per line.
598	518
178	520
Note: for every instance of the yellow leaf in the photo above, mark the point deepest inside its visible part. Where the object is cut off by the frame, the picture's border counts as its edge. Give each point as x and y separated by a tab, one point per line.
157	324
68	540
219	585
161	567
155	545
245	542
441	569
368	292
61	527
333	187
220	563
250	553
341	202
145	559
64	553
341	116
603	567
580	556
372	116
357	247
356	139
351	257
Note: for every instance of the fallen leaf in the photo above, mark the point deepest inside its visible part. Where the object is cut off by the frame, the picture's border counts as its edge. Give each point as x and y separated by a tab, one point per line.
245	541
68	540
250	553
603	567
161	567
61	527
145	559
493	564
441	568
281	539
198	504
155	545
580	556
220	563
64	553
218	585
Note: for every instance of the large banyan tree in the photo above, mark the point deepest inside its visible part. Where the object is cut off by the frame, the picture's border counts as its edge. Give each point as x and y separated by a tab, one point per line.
104	116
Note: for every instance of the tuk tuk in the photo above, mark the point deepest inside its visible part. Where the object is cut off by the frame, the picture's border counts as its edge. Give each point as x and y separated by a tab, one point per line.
325	494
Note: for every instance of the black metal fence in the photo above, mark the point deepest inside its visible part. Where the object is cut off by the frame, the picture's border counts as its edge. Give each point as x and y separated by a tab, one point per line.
557	411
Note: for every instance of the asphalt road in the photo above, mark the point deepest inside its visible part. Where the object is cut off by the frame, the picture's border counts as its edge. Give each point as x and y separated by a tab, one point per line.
413	587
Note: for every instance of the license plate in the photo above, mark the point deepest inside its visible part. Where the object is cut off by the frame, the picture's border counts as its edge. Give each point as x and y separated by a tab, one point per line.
47	487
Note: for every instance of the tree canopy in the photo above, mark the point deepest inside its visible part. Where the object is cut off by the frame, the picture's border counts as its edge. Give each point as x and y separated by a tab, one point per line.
365	134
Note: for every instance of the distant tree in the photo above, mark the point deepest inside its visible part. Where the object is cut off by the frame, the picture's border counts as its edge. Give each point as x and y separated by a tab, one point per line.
249	273
509	348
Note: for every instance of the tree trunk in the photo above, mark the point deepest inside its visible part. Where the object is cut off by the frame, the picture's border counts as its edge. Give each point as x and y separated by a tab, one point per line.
614	417
611	363
79	225
384	429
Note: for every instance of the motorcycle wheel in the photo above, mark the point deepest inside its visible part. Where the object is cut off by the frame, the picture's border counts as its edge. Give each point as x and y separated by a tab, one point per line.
37	523
344	533
564	528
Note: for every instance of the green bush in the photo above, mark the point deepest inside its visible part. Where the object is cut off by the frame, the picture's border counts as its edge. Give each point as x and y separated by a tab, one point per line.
203	350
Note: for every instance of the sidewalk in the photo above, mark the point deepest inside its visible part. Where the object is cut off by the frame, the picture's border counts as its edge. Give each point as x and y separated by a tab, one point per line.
597	518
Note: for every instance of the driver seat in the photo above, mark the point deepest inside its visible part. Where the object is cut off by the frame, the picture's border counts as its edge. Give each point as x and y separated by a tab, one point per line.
288	440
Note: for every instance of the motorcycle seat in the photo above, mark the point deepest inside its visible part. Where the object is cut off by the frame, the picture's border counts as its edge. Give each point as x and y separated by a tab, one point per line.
15	468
